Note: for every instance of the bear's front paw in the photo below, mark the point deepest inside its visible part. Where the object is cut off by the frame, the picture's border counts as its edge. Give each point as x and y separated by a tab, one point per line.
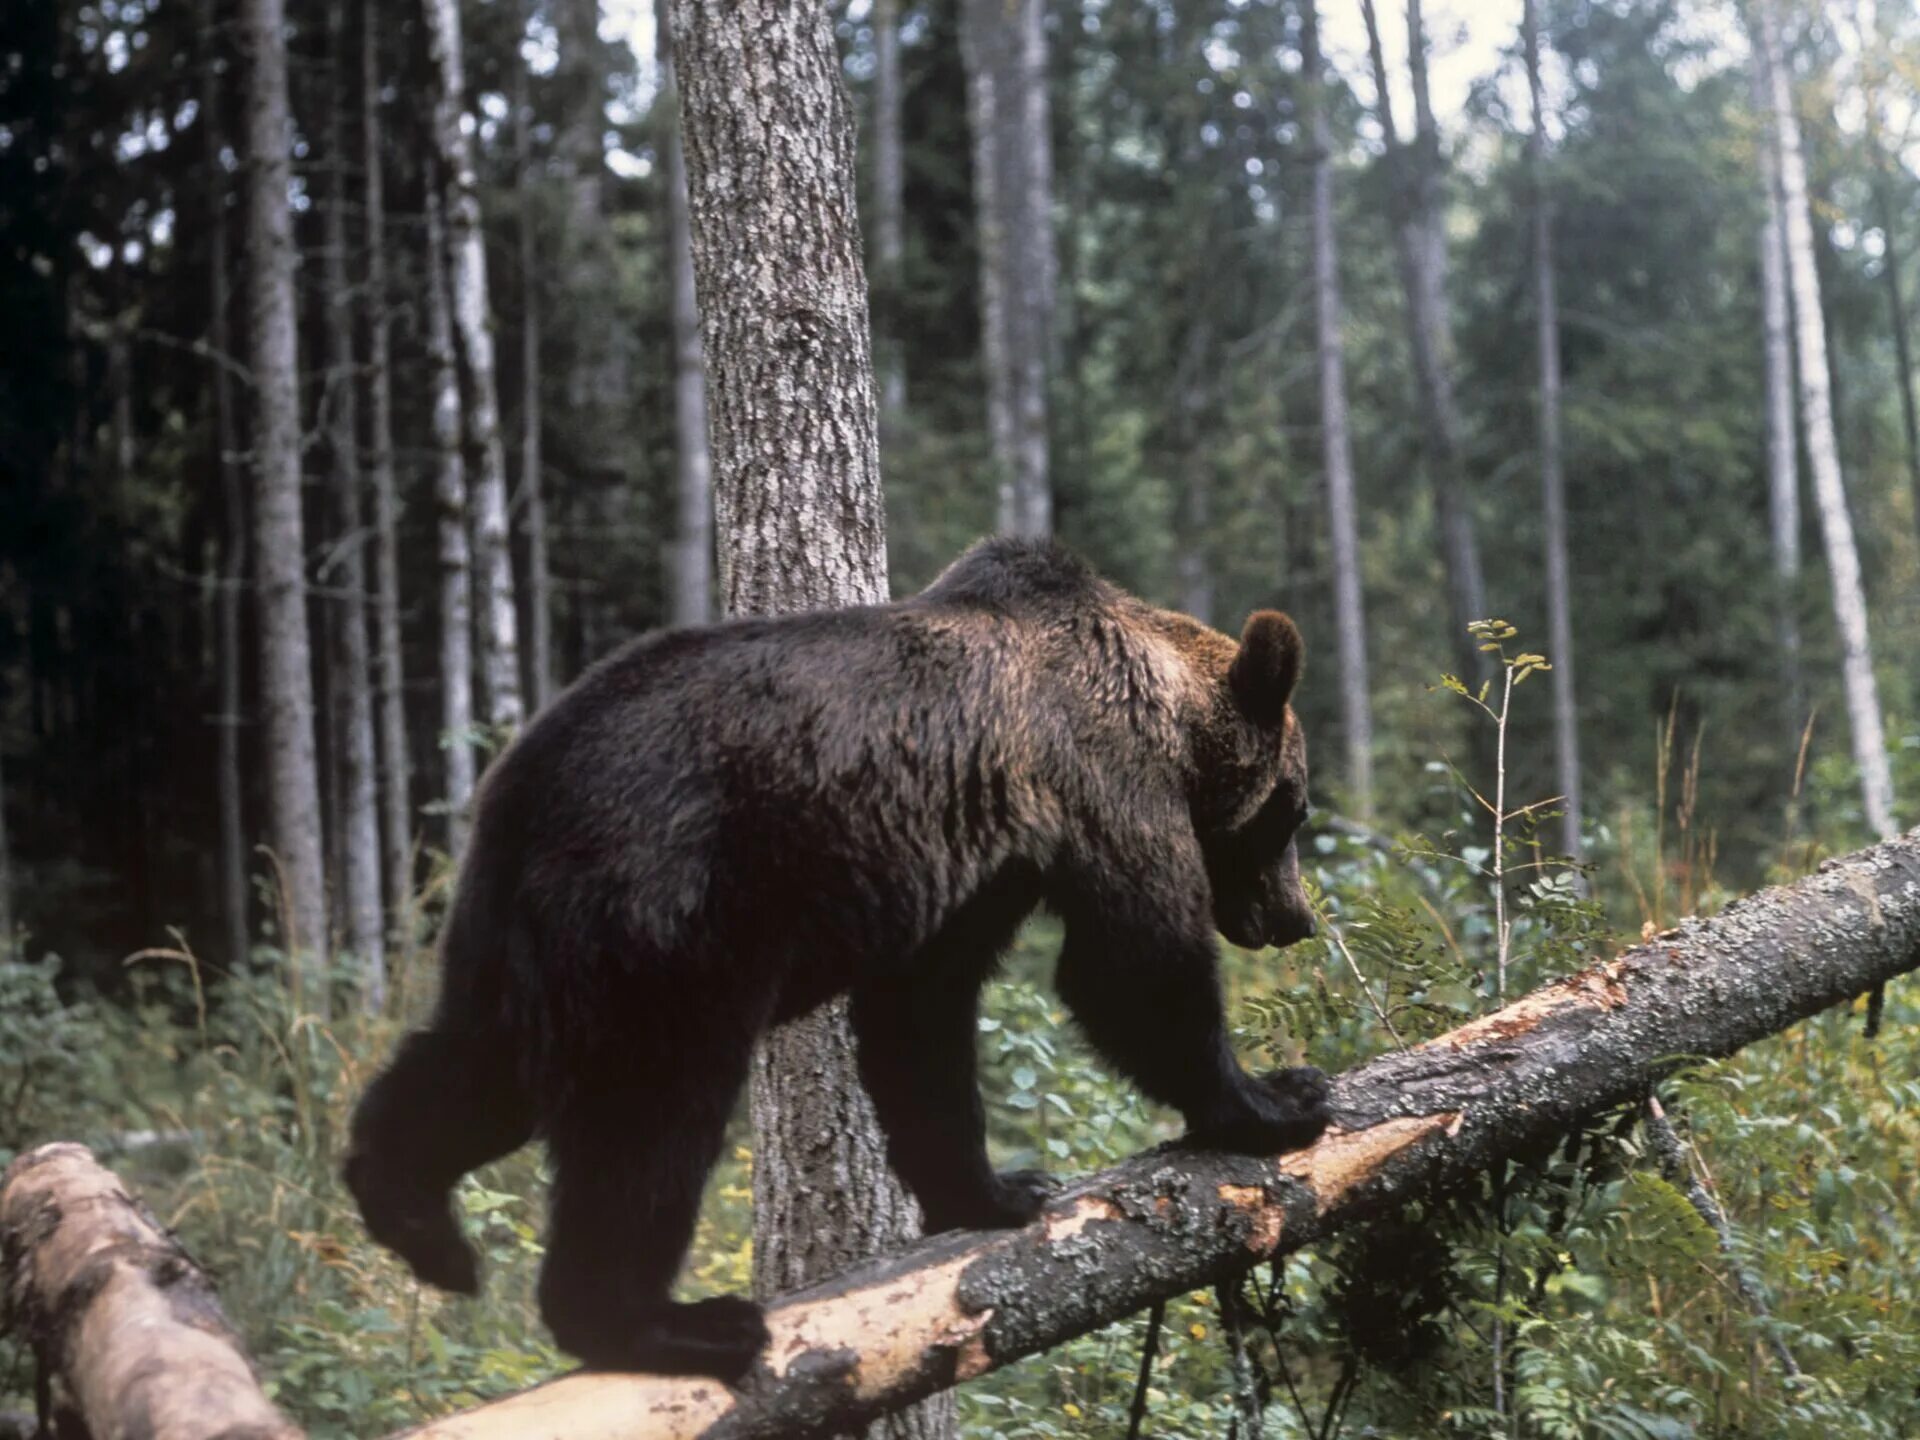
1283	1110
1009	1200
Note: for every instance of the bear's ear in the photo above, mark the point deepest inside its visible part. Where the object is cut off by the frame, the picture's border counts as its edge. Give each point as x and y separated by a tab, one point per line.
1267	668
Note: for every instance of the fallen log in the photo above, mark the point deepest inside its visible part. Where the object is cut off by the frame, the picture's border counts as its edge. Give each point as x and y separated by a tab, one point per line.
123	1323
1167	1221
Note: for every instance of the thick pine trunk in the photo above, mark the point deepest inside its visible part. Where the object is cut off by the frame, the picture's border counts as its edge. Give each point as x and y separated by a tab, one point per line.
456	557
363	932
1553	490
690	560
889	186
286	674
776	247
233	514
1783	459
499	627
396	761
533	496
1410	1123
1420	254
1336	444
1823	448
1004	47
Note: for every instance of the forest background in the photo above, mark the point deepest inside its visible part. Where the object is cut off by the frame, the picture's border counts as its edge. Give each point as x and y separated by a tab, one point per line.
1136	272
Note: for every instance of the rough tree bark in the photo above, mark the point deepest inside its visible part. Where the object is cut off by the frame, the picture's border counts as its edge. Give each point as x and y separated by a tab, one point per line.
776	247
396	761
117	1312
1336	445
1553	490
456	559
1168	1221
364	930
889	186
1420	253
690	599
1783	458
233	509
499	627
533	496
1004	46
286	675
1823	448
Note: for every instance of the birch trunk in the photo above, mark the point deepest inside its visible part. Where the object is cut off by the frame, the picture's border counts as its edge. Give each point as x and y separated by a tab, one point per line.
776	248
456	558
1783	461
690	601
286	676
233	515
499	628
889	184
533	500
1553	494
1823	449
396	773
1420	254
1349	608
359	869
1003	43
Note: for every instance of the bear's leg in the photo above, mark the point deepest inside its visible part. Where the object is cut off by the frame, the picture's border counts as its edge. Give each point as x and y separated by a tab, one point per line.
631	1149
1147	992
916	1044
449	1103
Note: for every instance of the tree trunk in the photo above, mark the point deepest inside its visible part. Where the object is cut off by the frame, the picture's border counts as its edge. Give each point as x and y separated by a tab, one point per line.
1553	492
364	932
456	559
690	560
286	676
1420	252
889	185
1783	461
1349	609
396	804
1409	1123
776	248
125	1326
499	628
233	513
1004	47
1896	312
1823	449
533	501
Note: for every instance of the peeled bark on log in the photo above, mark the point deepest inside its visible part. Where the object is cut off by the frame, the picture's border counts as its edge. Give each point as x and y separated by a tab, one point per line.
117	1312
1169	1220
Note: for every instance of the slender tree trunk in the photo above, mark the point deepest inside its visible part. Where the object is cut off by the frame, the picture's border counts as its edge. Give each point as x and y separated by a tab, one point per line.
1553	494
396	804
691	555
533	502
889	184
499	628
1349	608
286	675
1420	250
359	871
1004	46
233	513
1783	462
456	558
1823	449
1897	312
776	248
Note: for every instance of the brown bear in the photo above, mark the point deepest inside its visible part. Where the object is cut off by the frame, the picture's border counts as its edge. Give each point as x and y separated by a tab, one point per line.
717	829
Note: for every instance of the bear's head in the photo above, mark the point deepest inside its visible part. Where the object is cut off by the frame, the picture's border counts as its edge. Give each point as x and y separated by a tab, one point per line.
1252	781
